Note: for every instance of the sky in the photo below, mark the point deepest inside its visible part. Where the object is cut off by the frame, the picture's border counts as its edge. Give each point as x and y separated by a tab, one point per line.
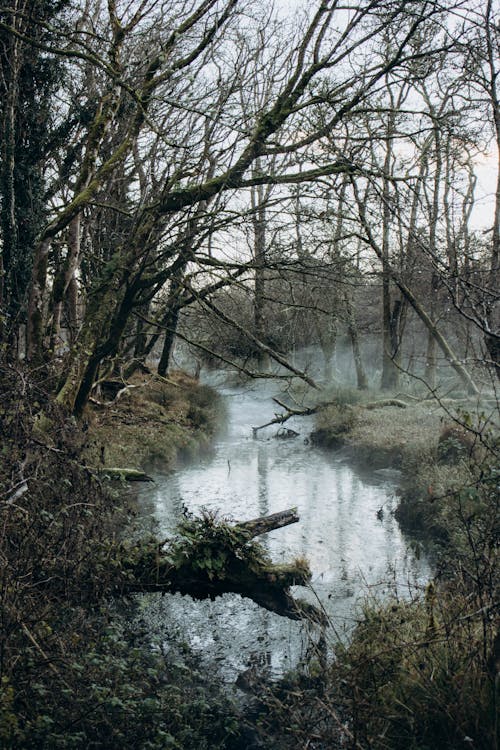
484	206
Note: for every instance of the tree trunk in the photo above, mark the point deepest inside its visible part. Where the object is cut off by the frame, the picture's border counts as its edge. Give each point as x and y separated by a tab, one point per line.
72	309
171	568
63	278
105	321
431	363
492	340
259	251
352	327
35	322
390	372
430	359
171	321
8	302
171	318
431	353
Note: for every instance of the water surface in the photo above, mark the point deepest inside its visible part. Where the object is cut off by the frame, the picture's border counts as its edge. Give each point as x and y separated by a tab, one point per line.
347	531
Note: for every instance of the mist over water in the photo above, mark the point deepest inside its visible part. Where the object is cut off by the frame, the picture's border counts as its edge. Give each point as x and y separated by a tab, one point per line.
346	531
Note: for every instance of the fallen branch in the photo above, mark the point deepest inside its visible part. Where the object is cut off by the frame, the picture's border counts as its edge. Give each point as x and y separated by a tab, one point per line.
129	475
289	413
309	411
264	524
384	403
211	557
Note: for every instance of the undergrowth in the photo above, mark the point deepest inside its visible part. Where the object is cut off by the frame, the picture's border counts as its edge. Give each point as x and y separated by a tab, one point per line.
154	421
419	674
73	674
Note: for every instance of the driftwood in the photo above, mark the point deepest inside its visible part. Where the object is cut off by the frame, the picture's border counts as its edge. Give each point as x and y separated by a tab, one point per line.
122	474
225	561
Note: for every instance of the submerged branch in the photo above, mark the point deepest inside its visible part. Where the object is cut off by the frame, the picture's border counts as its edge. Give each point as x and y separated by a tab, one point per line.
289	413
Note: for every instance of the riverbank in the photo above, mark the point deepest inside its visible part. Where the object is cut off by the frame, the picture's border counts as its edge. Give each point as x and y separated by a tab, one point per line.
439	449
419	673
74	671
151	421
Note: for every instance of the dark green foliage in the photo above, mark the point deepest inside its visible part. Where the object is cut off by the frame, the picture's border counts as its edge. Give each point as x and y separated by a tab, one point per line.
28	81
111	690
211	544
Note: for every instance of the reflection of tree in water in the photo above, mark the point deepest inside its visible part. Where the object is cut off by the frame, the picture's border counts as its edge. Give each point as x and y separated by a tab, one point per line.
262	483
259	662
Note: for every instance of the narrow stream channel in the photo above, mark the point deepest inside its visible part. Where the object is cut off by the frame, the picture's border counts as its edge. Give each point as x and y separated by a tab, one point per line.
347	531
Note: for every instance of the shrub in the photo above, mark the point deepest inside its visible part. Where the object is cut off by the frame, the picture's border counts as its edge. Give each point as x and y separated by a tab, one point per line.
454	444
334	424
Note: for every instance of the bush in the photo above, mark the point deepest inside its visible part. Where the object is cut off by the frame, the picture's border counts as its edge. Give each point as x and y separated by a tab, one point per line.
334	424
455	443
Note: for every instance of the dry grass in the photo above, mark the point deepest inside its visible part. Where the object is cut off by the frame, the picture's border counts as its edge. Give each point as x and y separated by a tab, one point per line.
397	435
387	436
415	439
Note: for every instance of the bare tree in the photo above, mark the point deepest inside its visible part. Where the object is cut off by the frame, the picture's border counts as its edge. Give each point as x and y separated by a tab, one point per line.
159	78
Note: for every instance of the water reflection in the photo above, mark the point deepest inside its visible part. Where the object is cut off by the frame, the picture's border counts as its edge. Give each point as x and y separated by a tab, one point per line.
351	546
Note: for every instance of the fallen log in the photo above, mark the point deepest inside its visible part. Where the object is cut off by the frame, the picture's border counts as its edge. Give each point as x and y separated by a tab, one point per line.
264	524
210	557
122	474
385	402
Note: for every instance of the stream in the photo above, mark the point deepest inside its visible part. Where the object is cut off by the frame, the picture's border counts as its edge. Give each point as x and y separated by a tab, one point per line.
347	531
